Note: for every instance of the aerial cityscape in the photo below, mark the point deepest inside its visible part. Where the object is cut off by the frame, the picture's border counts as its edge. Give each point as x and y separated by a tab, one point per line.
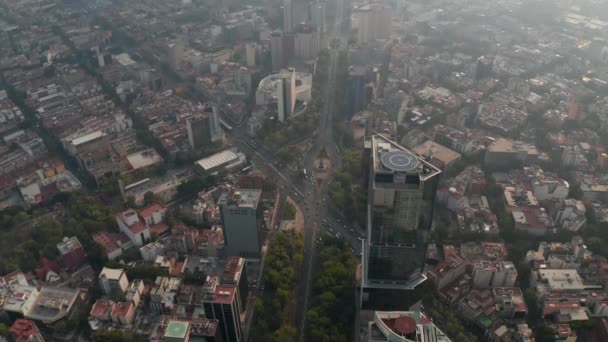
304	170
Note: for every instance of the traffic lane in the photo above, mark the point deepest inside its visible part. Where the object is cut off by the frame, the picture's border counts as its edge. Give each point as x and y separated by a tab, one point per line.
345	233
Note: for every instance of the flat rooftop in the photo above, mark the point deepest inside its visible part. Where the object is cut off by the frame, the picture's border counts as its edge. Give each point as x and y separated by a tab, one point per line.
111	273
562	280
437	151
506	146
87	138
217	160
53	304
390	157
241	198
224	294
144	158
177	329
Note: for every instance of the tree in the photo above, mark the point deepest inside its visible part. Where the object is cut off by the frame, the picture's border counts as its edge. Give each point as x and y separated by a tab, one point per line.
4	330
131	202
575	192
150	197
192	187
283	259
329	319
286	333
289	212
546	334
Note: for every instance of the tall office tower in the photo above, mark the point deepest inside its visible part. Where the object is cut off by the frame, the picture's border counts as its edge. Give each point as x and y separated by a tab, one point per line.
199	129
288	23
250	54
299	12
242	80
100	60
220	302
306	42
355	92
239	215
374	22
204	127
276	50
317	15
286	94
175	53
401	194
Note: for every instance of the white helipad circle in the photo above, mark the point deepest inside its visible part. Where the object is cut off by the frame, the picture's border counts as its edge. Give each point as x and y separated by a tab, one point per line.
399	161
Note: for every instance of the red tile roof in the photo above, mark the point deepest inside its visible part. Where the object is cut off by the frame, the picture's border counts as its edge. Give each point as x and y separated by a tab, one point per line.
107	241
151	209
137	227
159	228
23	330
552	307
404	325
102	308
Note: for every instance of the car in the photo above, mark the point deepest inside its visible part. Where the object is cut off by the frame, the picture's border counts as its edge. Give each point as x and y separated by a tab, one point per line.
338	220
358	238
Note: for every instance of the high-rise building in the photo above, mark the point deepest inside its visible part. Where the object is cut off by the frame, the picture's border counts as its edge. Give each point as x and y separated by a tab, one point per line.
306	42
401	193
220	302
288	23
250	54
204	127
242	80
374	22
241	222
357	92
276	50
317	15
282	49
175	53
199	131
286	94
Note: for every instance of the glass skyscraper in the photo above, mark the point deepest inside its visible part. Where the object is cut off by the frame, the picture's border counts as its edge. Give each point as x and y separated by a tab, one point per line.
401	196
